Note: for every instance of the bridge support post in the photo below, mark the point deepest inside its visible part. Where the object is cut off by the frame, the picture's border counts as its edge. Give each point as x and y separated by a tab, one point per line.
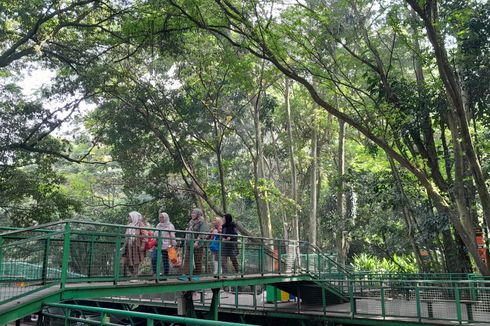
185	305
213	309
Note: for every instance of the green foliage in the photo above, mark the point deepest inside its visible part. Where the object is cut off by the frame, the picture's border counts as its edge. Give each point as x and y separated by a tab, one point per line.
179	111
397	264
34	194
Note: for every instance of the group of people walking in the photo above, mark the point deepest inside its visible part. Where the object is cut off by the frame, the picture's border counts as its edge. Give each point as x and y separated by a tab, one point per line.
138	241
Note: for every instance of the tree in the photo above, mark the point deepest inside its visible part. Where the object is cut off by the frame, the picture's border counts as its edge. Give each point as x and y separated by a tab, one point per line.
295	45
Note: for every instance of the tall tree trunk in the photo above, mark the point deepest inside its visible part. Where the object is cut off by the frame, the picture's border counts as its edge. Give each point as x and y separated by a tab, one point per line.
342	233
261	194
429	15
407	215
292	164
312	232
219	141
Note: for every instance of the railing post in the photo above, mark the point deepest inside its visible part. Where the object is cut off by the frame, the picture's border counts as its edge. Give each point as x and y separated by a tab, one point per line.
236	296
383	308
330	267
417	301
1	256
90	255
458	302
318	256
45	260
158	255
276	297
191	256
67	315
298	290
214	307
117	257
220	260
66	254
352	300
308	260
205	265
102	318
242	256
279	255
262	257
324	300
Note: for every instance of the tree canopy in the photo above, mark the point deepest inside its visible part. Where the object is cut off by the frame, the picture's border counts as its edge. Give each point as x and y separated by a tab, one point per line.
359	126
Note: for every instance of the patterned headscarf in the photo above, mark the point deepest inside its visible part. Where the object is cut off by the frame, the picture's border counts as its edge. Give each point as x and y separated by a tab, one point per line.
199	218
136	218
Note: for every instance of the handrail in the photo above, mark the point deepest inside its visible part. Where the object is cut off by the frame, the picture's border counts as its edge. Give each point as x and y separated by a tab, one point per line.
339	266
37	237
147	316
32	228
348	285
146	228
151	228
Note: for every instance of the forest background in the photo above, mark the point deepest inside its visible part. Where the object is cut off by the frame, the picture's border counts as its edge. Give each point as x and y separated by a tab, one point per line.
361	126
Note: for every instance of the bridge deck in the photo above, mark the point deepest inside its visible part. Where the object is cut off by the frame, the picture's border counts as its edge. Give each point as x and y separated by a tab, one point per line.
367	309
75	260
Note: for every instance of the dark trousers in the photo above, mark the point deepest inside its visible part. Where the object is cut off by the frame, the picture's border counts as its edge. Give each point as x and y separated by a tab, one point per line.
166	265
234	262
198	253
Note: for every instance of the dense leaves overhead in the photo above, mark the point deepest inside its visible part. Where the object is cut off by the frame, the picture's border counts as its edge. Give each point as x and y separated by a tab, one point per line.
190	107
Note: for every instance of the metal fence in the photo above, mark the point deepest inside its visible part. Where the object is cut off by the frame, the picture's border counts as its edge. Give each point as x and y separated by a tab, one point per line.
76	251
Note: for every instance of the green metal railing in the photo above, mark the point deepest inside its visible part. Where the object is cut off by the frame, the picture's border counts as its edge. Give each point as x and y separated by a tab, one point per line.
78	251
415	301
65	252
104	316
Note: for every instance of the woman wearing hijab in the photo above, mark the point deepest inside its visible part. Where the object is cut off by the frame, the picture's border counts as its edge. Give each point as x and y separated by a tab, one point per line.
196	224
229	236
168	240
134	251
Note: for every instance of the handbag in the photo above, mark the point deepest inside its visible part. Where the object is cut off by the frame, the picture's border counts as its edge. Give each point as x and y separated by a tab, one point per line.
214	246
174	257
152	242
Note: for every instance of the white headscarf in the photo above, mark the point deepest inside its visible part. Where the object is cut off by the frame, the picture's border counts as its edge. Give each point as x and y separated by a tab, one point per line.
135	221
168	228
166	222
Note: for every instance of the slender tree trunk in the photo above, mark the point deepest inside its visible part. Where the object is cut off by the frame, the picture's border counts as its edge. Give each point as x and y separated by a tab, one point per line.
220	167
312	234
292	163
407	215
342	233
261	194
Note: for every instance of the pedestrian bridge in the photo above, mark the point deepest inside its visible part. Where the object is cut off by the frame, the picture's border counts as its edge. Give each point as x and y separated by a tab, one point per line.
71	270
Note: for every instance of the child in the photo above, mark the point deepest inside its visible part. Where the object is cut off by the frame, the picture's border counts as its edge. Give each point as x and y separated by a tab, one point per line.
214	246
